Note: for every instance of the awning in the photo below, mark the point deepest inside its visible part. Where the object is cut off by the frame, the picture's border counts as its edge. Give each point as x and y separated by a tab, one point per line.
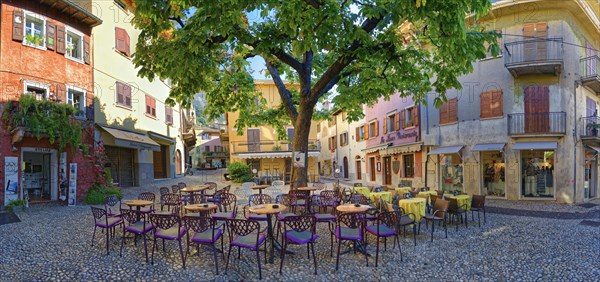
161	139
272	155
535	146
594	148
375	148
489	147
446	150
401	149
132	140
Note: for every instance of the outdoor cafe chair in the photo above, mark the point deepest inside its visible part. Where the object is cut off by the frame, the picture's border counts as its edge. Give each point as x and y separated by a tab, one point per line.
181	185
328	199
300	199
403	219
246	234
456	211
168	227
204	231
169	200
227	207
478	205
112	205
108	223
299	230
147	196
320	185
384	227
137	226
440	210
164	190
349	227
273	191
212	186
254	200
175	189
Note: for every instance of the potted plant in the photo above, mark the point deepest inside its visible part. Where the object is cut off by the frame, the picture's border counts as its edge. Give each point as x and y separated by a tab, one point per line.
593	128
34	39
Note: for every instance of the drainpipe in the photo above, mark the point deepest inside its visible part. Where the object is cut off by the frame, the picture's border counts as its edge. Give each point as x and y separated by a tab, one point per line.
575	84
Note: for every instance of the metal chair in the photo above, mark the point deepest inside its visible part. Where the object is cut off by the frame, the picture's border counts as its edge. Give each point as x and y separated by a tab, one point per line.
256	199
169	200
440	210
134	224
147	196
175	189
112	202
205	231
246	234
349	227
299	230
102	220
227	207
328	199
385	227
168	227
478	205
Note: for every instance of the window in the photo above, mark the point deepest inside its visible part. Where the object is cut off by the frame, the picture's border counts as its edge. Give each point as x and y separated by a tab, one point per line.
409	165
168	115
123	94
150	106
218	148
332	143
35	30
344	139
39	90
207	148
360	133
122	41
410	117
391	123
449	111
373	129
76	98
74	45
491	104
205	136
488	54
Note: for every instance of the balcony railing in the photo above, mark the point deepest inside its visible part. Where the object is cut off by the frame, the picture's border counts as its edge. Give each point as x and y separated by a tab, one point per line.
537	123
269	146
589	127
534	56
590	72
215	154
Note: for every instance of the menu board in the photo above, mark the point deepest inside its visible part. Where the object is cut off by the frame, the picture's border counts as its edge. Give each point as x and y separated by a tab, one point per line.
11	179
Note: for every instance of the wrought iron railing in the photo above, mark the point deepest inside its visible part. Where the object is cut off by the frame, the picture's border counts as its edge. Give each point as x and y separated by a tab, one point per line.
269	146
590	67
537	123
533	50
589	126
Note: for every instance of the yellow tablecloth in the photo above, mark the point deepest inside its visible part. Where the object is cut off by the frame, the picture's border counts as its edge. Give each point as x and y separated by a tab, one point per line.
401	190
461	200
375	196
414	205
363	190
428	193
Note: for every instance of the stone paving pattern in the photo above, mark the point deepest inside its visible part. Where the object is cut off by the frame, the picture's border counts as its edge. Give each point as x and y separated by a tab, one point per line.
52	243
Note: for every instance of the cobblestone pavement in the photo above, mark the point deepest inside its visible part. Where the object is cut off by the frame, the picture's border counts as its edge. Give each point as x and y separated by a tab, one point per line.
53	243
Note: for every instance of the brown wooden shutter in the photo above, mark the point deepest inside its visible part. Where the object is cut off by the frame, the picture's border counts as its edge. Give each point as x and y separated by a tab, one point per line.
127	44
120	93
376	128
529	34
366	131
127	95
60	40
496	106
153	103
50	35
120	35
485	101
415	112
397	122
148	105
169	114
453	110
357	138
444	113
541	31
403	117
61	92
385	121
86	51
18	21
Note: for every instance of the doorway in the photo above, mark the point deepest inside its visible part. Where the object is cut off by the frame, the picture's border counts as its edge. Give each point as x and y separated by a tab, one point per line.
358	172
40	174
160	162
372	168
346	167
387	170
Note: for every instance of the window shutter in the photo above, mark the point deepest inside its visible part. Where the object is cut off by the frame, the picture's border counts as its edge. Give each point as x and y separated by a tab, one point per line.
86	50
60	39
376	128
148	105
496	105
385	121
453	110
541	31
18	21
127	95
366	131
120	93
397	121
153	106
444	113
403	117
528	34
120	40
127	43
50	35
169	114
415	113
61	92
485	104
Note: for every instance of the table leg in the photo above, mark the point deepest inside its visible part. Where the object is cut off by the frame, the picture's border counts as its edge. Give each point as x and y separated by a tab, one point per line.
270	235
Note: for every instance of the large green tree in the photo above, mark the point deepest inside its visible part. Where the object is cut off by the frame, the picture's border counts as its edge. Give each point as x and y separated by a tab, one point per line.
366	48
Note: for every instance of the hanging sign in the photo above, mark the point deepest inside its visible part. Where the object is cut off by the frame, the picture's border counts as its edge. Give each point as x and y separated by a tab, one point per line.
11	179
72	184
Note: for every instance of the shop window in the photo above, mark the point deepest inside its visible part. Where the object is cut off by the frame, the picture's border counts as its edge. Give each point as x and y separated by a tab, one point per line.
150	106
449	112
452	173
76	98
491	104
344	139
409	165
39	90
538	173
74	45
35	30
493	173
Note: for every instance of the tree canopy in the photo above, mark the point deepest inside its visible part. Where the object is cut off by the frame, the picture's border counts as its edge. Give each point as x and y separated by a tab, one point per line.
366	48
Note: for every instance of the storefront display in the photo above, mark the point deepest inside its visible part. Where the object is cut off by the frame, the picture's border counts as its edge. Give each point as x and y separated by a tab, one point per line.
537	174
451	172
493	171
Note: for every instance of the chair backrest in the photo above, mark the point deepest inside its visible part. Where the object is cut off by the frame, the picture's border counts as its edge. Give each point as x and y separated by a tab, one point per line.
226	188
273	191
407	195
320	185
243	227
378	189
197	198
181	184
147	196
164	190
170	199
98	214
388	218
285	199
478	201
440	193
442	206
330	198
165	221
228	201
212	186
359	198
301	223
298	195
130	216
259	199
433	198
110	202
175	189
350	220
199	223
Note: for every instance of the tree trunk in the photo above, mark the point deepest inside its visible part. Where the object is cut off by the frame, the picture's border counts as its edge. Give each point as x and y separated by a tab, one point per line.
301	134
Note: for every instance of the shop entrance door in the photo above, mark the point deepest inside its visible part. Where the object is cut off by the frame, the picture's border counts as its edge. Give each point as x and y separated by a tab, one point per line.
160	166
387	171
40	174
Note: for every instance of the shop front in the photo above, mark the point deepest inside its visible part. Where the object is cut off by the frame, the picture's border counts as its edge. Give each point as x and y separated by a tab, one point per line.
269	166
537	169
590	185
450	166
492	167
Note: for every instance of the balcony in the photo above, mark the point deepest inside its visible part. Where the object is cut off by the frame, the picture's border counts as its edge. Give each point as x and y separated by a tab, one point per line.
535	56
535	124
590	72
269	146
589	128
217	154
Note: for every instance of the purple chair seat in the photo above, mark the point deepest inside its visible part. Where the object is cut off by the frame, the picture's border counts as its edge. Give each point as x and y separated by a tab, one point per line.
204	237
248	241
282	216
138	227
260	217
346	233
223	215
301	238
384	230
170	234
112	221
322	217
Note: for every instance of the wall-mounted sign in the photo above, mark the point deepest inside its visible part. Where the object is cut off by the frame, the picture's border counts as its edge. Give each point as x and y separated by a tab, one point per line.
11	179
299	159
63	183
72	184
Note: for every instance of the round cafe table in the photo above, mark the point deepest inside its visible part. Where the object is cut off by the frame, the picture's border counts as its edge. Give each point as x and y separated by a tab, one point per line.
194	189
414	205
269	210
201	209
259	188
461	200
351	208
138	204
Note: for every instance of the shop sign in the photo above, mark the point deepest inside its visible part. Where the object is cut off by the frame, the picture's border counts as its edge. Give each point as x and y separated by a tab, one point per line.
11	179
42	150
